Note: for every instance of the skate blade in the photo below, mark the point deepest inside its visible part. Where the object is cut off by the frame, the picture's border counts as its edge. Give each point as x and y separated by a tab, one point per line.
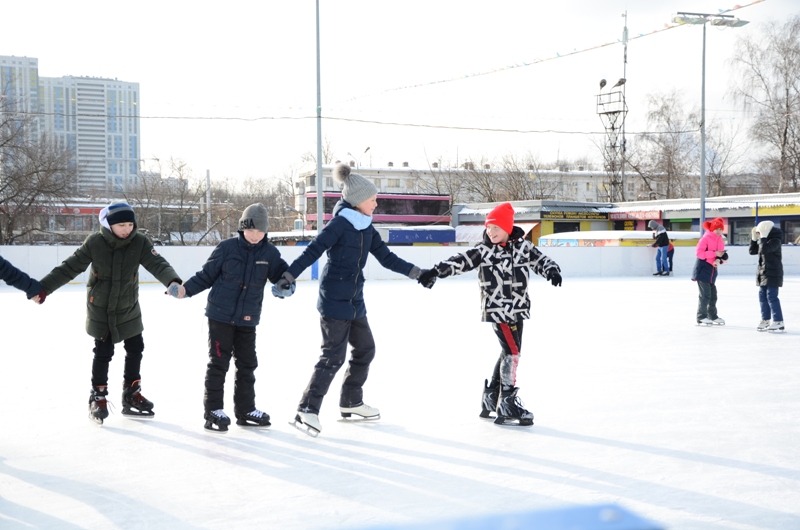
508	422
144	415
98	421
352	416
304	428
777	330
248	425
209	427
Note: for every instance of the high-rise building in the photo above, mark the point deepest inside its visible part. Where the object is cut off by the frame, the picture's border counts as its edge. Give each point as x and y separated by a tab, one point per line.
95	118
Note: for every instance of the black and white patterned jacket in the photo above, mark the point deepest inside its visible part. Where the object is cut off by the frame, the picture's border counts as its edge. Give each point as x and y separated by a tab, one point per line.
503	272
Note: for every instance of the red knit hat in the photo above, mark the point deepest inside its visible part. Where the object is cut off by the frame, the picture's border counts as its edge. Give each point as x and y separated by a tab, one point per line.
714	224
503	216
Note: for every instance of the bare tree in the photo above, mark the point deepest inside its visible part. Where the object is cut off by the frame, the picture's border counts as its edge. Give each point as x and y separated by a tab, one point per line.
769	84
523	179
36	173
327	153
664	159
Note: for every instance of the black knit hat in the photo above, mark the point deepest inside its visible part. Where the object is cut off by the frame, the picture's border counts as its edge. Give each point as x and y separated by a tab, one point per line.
120	212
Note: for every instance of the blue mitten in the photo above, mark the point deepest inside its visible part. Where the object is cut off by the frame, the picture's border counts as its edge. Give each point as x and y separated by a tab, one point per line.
173	290
283	289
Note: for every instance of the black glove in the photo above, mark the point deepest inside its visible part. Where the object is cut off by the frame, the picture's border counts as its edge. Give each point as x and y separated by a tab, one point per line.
724	256
428	277
554	277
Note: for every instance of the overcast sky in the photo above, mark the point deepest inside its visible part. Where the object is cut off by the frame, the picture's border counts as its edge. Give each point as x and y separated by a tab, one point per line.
411	62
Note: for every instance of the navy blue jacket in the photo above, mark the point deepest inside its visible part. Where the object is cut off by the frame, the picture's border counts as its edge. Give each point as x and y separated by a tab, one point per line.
341	286
16	278
237	272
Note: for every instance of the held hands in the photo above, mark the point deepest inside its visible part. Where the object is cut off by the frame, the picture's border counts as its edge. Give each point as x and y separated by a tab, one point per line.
285	286
176	290
39	298
554	277
427	277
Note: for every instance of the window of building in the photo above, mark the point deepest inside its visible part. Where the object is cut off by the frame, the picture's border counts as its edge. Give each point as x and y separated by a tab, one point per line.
329	182
393	183
410	184
588	186
377	183
631	186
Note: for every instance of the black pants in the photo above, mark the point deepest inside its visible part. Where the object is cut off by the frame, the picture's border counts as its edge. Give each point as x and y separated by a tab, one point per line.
226	341
707	301
104	351
336	335
510	337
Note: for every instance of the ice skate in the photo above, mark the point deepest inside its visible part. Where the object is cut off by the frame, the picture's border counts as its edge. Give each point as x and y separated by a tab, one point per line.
776	327
217	421
307	422
134	403
489	400
98	404
365	411
510	410
763	325
254	418
705	322
718	321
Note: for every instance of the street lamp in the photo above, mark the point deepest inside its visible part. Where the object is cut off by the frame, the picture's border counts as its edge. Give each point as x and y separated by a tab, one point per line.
290	209
728	21
357	158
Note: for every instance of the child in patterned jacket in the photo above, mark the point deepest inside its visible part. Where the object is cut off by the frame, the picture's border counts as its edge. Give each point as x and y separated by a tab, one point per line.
504	260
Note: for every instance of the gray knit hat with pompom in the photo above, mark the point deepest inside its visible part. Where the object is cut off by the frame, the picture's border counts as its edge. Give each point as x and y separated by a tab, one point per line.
355	188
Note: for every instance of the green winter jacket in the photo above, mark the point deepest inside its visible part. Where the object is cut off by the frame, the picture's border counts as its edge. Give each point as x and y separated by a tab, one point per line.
112	292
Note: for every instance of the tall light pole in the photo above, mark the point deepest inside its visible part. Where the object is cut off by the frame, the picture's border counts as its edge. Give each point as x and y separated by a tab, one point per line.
728	21
320	180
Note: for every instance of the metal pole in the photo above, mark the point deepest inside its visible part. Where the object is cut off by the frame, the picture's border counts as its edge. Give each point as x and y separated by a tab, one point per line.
320	179
703	139
208	200
624	105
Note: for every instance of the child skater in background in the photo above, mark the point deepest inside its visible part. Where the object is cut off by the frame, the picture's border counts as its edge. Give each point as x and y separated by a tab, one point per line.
18	279
504	261
112	308
710	252
349	238
237	271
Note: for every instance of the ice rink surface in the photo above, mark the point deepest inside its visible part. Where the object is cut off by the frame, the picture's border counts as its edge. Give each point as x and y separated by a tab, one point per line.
692	427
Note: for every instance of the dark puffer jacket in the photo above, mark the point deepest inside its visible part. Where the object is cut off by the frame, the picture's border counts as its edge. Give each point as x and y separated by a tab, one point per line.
503	274
237	272
112	291
770	263
341	286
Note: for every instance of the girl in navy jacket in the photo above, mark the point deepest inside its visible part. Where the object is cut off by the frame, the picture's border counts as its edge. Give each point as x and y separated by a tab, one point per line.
348	239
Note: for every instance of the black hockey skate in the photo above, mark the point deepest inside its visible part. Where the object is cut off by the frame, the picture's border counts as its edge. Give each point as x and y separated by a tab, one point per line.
255	418
217	421
510	410
489	401
134	403
98	404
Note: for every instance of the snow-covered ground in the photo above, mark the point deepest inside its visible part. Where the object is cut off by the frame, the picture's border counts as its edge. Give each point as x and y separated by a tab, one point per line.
635	405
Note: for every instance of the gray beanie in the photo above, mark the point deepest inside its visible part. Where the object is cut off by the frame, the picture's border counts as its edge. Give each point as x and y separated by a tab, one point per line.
355	188
254	217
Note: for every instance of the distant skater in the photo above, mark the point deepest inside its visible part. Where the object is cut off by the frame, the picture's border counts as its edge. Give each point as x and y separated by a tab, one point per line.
766	243
662	245
710	252
504	260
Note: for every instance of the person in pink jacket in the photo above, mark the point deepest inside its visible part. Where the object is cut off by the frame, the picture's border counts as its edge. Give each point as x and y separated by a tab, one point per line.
710	252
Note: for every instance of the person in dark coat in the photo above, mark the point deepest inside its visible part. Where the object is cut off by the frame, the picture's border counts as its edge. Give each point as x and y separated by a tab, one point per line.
766	240
113	315
349	238
236	272
18	279
504	260
662	245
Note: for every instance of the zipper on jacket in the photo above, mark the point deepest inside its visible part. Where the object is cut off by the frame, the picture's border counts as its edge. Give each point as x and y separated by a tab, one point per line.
358	271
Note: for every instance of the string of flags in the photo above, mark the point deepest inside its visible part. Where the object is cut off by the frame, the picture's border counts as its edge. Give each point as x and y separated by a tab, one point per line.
557	55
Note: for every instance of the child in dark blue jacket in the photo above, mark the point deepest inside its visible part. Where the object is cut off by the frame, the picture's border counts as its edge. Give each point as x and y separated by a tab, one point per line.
236	272
348	239
16	278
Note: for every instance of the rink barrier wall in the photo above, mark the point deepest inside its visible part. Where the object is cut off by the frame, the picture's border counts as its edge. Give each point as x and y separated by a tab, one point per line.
37	261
